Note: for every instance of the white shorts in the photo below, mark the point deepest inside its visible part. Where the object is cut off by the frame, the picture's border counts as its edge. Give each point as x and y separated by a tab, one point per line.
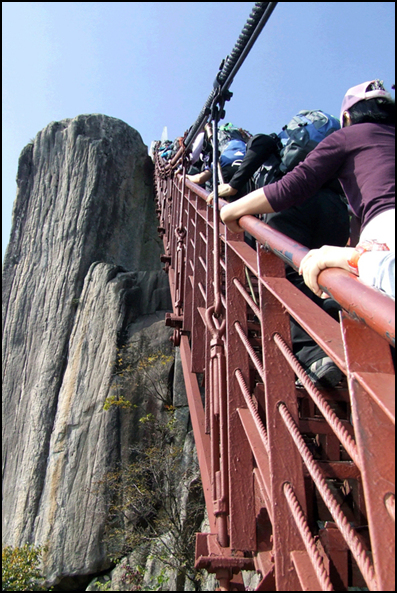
377	268
382	228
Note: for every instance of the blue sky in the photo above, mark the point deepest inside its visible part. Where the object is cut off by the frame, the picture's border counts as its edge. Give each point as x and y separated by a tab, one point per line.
152	64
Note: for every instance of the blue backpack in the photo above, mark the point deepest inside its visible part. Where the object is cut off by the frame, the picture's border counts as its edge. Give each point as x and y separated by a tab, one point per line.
229	132
233	153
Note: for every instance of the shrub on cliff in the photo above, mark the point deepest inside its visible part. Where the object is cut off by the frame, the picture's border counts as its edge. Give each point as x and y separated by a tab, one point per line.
146	501
20	569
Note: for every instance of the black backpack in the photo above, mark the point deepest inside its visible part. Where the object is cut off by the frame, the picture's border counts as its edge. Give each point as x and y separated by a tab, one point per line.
269	172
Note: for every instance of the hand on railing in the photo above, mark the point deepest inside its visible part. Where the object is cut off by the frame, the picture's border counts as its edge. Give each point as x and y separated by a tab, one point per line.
224	191
232	225
255	202
328	256
200	178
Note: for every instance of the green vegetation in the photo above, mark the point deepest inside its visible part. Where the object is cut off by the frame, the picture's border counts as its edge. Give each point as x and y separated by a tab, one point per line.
133	579
20	569
150	372
155	505
120	402
145	504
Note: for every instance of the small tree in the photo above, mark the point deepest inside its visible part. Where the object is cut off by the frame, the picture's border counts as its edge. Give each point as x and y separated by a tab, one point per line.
133	372
20	569
154	504
146	501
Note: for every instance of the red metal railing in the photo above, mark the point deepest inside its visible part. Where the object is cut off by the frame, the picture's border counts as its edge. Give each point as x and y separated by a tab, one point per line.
298	482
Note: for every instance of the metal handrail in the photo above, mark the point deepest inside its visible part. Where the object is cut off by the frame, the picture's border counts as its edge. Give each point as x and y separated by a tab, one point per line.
251	407
364	303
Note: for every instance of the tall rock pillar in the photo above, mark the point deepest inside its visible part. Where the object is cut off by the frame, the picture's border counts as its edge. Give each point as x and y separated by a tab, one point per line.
84	229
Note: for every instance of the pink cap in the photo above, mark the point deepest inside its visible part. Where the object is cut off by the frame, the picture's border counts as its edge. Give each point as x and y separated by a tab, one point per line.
373	89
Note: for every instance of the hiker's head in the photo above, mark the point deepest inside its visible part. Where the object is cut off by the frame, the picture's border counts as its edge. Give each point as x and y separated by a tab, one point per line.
367	102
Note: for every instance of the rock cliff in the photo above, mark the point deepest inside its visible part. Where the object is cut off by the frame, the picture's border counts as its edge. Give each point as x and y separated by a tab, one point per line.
81	279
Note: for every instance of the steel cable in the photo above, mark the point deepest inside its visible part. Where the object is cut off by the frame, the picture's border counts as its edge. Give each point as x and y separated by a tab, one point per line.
252	408
251	352
243	39
334	422
247	298
229	67
358	551
307	538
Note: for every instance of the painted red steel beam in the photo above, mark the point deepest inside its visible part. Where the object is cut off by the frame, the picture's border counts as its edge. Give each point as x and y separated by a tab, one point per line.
362	302
197	416
198	423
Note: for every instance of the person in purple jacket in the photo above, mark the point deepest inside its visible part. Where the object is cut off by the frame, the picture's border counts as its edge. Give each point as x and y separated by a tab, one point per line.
362	156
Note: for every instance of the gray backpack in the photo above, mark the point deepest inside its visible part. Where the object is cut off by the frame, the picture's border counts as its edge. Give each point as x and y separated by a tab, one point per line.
302	134
297	139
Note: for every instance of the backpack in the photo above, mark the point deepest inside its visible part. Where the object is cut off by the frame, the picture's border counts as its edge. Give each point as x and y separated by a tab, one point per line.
297	139
166	149
304	132
229	132
233	153
231	149
269	172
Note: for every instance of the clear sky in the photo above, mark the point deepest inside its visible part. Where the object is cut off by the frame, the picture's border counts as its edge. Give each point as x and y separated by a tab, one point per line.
152	64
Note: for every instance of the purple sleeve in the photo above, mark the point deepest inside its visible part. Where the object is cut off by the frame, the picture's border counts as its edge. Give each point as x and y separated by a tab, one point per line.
320	166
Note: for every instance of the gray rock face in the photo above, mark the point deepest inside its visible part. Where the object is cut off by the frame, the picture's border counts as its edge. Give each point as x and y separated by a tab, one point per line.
82	265
86	441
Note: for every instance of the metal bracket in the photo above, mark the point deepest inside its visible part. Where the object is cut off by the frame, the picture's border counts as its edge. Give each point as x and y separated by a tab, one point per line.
211	556
172	320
